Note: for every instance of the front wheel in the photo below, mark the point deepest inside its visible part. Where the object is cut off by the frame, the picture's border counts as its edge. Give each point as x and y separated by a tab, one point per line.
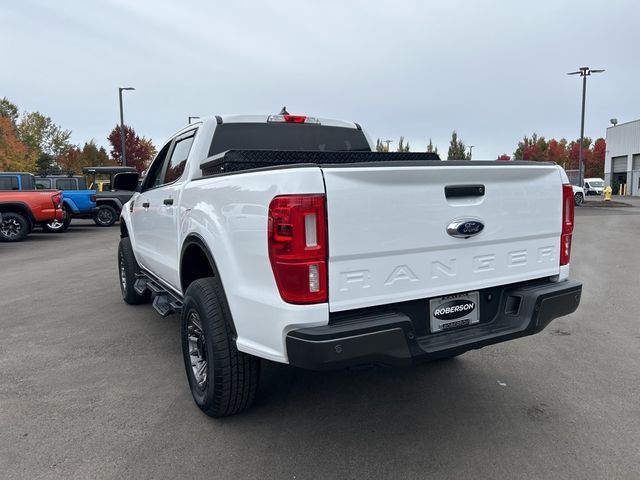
105	216
58	226
223	381
578	198
13	227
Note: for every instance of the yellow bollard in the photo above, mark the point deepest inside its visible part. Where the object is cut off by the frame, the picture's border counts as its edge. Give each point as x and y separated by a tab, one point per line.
607	194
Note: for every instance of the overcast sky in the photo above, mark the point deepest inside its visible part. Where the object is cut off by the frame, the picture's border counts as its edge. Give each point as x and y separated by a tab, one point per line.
493	70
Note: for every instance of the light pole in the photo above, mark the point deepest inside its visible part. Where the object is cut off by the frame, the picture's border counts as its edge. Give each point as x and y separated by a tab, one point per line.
190	118
584	72
387	142
122	150
470	151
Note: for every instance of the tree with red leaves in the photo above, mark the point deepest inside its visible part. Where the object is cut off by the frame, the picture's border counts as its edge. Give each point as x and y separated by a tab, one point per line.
504	156
557	151
563	153
139	151
534	148
574	153
594	167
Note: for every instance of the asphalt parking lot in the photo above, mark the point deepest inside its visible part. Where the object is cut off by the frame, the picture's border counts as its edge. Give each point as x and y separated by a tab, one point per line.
92	388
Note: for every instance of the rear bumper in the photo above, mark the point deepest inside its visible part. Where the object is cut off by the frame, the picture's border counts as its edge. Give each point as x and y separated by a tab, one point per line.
390	337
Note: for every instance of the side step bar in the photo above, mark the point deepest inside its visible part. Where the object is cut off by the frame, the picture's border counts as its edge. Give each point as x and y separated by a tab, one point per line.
164	302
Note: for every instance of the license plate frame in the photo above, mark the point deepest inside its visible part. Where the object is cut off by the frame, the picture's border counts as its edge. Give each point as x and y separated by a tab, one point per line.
452	312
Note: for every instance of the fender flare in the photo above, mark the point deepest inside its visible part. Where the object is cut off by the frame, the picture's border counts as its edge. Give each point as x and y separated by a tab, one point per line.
70	204
20	206
101	200
195	239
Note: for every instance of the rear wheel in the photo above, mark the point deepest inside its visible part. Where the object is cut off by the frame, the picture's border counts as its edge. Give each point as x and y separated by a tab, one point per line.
578	198
223	381
127	269
105	216
58	226
13	227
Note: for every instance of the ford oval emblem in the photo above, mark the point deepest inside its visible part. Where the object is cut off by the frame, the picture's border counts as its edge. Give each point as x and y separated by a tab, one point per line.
465	228
454	309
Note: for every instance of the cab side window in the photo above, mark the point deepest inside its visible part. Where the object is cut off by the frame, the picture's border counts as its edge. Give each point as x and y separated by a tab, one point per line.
66	184
9	182
154	175
178	160
43	184
170	163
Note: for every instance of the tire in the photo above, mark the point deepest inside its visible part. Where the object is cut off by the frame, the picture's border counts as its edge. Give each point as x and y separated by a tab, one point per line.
578	199
229	378
105	216
127	269
14	227
58	226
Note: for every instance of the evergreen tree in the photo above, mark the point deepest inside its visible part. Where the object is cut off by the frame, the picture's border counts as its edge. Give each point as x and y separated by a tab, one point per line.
457	148
431	148
402	147
381	146
9	110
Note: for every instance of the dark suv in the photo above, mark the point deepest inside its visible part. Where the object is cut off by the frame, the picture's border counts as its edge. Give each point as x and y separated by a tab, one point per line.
109	202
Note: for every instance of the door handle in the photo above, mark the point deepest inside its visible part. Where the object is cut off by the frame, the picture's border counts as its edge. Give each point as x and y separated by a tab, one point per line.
457	191
145	204
168	201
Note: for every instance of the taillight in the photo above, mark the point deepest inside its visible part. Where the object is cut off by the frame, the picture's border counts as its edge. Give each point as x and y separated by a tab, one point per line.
57	200
298	247
567	224
93	198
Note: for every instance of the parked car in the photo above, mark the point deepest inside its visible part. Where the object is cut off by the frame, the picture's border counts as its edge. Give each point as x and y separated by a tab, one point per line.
78	201
21	211
17	181
578	195
349	256
593	186
61	182
109	202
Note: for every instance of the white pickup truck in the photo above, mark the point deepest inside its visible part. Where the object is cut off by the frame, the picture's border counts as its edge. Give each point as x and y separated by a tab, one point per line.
284	237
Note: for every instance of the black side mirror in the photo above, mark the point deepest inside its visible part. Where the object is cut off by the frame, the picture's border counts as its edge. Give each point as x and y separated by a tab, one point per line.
125	181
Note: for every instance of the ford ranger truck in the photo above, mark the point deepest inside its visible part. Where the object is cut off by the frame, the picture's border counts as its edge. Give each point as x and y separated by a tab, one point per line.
21	211
286	238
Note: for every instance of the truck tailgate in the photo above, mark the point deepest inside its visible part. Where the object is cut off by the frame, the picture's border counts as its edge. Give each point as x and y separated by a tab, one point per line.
388	239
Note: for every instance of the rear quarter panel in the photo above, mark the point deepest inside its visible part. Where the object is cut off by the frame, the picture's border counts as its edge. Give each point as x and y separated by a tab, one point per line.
230	213
79	201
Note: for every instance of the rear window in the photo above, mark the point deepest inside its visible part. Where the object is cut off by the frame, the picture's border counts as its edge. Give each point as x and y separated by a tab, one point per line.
286	136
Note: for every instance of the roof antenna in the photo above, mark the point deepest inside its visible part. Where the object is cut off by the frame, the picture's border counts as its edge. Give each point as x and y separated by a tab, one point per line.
284	111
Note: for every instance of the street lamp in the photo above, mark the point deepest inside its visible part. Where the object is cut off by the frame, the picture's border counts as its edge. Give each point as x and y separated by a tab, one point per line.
470	151
584	72
190	118
387	142
122	150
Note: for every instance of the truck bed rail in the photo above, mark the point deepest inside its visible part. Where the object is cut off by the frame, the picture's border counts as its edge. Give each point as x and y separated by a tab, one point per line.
239	160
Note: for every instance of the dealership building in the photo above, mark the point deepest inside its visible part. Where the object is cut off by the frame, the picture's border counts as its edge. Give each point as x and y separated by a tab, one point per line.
622	160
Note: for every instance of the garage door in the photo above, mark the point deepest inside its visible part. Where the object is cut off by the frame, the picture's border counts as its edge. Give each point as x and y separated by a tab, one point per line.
619	164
